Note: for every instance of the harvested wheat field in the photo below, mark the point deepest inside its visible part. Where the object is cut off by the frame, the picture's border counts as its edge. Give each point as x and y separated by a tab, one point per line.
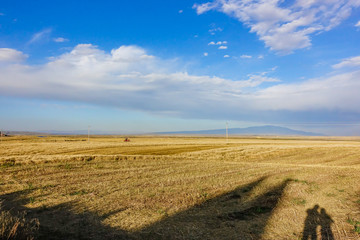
179	188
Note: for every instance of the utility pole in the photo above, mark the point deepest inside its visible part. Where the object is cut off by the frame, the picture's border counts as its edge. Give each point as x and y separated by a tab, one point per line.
227	134
0	135
89	133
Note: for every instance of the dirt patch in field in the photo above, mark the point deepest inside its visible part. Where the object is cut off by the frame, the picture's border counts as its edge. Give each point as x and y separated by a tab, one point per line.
146	150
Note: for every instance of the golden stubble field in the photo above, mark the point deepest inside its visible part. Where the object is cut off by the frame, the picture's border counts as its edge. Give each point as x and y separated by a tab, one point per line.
179	188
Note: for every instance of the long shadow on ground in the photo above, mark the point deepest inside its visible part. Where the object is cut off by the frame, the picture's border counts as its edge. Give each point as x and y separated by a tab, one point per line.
58	222
229	216
234	215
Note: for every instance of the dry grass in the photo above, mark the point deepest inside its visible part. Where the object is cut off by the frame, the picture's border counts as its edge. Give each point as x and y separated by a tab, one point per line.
182	188
17	226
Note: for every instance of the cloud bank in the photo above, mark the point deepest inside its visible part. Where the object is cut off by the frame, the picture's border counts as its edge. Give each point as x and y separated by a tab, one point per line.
130	78
284	26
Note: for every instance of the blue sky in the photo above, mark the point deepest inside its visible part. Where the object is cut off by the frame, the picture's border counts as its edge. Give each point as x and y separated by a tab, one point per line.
144	66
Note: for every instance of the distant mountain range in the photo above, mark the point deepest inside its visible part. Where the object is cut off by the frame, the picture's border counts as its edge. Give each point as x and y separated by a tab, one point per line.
260	130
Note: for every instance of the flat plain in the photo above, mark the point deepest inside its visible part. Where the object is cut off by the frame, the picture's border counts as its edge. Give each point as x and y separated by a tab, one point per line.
63	187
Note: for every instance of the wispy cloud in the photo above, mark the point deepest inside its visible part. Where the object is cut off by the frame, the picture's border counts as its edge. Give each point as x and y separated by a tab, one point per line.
349	62
357	24
245	56
181	11
2	14
226	56
223	47
60	39
284	28
40	36
206	54
212	31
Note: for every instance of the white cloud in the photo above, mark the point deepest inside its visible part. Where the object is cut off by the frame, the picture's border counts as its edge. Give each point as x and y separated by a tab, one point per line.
88	74
261	57
349	62
284	28
226	56
129	78
181	11
245	56
39	36
60	39
206	54
218	43
11	55
357	24
223	47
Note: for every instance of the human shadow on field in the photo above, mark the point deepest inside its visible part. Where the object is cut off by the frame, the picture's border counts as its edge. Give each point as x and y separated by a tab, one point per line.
316	219
234	215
